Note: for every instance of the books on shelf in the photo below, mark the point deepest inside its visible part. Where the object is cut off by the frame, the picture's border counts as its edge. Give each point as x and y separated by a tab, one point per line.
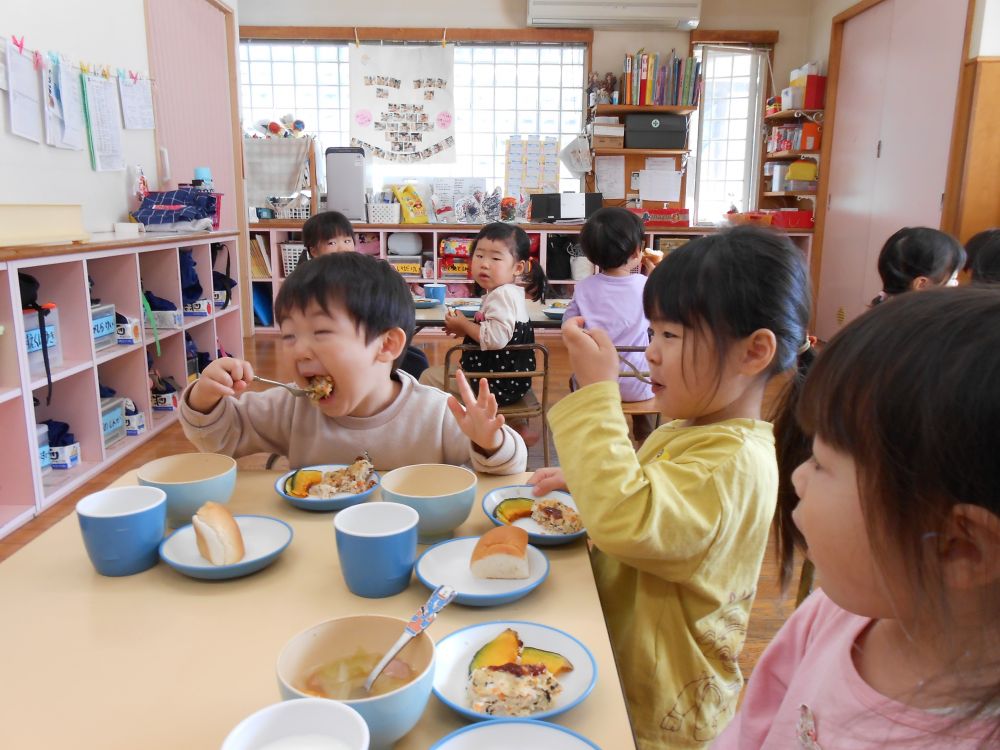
260	264
661	80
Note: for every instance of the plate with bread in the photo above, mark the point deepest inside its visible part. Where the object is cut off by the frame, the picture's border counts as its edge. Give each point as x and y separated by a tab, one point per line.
549	520
502	735
217	545
497	568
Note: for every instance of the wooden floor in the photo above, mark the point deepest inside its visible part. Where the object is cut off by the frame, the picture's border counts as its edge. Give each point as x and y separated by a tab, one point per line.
770	608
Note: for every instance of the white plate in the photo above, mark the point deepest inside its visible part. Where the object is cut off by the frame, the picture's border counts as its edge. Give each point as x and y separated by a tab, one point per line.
454	652
514	733
264	538
448	563
536	534
555	313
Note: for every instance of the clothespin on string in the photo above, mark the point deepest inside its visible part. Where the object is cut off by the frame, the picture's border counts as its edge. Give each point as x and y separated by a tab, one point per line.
444	36
134	76
19	43
357	41
37	60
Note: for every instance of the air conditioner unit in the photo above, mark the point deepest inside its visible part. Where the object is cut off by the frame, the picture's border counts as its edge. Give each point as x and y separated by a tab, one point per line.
609	14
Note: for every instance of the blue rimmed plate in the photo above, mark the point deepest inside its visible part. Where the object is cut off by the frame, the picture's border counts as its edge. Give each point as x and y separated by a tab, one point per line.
536	534
454	653
468	311
264	538
554	313
448	563
337	502
424	303
503	735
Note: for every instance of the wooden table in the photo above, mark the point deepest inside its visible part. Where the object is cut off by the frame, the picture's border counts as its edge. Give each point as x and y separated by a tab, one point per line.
159	660
434	316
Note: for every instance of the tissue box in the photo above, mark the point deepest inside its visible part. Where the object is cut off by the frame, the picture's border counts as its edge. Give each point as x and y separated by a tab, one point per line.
793	98
112	420
165	401
44	459
64	456
129	332
135	424
200	309
102	326
455	246
167	319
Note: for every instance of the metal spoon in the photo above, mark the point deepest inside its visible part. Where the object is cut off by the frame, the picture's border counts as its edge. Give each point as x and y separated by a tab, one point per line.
294	390
418	623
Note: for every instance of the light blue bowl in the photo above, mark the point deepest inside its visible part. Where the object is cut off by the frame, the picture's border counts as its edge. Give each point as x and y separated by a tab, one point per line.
440	493
190	480
323	504
389	716
554	313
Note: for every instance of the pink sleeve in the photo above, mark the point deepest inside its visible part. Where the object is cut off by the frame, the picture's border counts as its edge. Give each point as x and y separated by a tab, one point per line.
769	681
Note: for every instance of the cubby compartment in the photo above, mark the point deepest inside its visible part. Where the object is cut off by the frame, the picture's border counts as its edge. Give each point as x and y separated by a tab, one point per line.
203	306
19	465
75	402
10	374
128	376
227	263
170	362
229	334
160	274
203	336
116	282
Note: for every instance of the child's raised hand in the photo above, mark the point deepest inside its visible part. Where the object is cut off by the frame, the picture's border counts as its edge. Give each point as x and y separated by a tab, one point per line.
592	355
478	419
548	479
223	377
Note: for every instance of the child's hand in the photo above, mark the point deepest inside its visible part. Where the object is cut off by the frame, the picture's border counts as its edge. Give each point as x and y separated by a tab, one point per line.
454	323
548	479
592	355
223	377
479	419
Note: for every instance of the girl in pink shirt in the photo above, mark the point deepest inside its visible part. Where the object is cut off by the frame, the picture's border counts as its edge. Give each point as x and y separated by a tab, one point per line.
899	509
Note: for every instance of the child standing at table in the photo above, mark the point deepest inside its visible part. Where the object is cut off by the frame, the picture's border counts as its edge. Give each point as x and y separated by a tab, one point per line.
680	527
899	506
917	258
612	298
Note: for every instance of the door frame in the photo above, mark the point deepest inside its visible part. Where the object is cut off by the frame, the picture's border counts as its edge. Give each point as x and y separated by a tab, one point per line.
239	170
955	154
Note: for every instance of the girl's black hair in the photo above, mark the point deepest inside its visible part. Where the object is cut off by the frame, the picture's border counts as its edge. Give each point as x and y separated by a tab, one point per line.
913	252
323	227
519	244
611	236
983	251
909	392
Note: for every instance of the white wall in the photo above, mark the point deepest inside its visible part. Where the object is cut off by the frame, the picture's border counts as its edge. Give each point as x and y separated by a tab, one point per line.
985	41
112	33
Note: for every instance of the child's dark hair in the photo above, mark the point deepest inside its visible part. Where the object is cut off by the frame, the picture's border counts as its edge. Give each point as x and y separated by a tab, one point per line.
611	236
909	392
323	227
913	252
519	244
373	293
983	251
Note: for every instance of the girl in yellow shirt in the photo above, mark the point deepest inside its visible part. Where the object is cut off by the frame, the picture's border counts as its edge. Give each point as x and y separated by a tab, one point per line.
680	527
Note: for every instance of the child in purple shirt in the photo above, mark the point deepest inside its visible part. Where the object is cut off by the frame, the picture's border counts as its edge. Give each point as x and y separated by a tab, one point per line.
612	299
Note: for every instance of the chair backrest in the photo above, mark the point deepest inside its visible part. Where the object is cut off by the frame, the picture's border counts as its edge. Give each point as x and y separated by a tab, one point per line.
541	352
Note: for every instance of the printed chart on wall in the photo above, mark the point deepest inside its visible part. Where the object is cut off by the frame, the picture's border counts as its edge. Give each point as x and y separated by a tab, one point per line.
402	106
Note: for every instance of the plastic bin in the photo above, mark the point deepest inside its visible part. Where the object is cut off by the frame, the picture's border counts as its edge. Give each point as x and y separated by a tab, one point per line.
42	433
33	339
383	213
112	420
103	326
291	254
407	265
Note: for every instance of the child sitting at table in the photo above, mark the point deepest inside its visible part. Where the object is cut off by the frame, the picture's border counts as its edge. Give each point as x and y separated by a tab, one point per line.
500	257
680	528
916	258
612	298
345	319
983	250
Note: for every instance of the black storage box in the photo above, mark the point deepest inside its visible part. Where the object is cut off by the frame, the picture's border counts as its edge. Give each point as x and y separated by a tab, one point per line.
655	131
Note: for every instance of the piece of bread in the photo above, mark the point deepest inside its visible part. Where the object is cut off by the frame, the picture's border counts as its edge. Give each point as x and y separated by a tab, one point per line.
219	538
501	553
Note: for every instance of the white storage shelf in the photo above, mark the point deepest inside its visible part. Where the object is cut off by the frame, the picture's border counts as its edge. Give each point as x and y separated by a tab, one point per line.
119	271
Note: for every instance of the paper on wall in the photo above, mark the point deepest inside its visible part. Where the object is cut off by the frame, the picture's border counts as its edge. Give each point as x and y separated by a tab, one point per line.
137	104
24	97
104	131
659	185
610	173
71	99
572	205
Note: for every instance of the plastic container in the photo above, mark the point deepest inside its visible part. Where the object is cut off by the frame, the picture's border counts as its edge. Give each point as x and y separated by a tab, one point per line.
291	254
33	339
103	326
44	459
112	420
407	265
383	213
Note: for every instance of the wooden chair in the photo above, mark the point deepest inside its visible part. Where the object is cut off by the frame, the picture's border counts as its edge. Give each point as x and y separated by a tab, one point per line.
806	576
630	408
527	407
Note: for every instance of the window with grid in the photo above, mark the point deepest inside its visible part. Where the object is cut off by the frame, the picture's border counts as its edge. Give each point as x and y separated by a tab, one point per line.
727	155
500	90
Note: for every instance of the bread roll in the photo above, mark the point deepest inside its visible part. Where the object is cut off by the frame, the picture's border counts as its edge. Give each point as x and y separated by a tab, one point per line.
219	538
501	553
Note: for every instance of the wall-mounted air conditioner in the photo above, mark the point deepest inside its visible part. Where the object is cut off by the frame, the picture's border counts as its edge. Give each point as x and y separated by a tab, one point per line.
612	14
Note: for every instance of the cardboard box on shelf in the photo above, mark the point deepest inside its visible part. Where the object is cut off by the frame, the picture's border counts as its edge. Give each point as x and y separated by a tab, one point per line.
167	319
64	456
165	401
199	309
663	217
129	332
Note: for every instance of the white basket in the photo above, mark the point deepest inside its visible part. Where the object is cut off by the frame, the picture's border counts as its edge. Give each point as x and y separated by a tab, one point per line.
299	213
383	213
291	254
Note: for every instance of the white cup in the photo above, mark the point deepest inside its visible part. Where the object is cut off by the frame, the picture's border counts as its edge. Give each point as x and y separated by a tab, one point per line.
301	724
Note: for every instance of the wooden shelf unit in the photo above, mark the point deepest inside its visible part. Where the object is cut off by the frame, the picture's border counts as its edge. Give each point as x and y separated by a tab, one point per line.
779	199
640	151
119	270
790	115
778	155
610	110
790	194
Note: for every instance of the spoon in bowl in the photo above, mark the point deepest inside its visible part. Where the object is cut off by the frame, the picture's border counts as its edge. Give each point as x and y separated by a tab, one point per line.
420	621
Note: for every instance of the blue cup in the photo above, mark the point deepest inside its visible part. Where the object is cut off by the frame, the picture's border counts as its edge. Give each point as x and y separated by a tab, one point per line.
377	546
435	291
122	528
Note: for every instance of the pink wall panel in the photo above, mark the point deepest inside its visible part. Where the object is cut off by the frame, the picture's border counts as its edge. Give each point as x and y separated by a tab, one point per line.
188	58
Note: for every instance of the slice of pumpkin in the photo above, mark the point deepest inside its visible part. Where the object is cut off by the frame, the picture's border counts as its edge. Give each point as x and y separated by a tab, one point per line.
501	650
513	508
555	663
298	484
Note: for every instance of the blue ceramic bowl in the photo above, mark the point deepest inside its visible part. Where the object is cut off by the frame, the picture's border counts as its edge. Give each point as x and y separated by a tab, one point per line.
389	716
442	494
323	504
264	538
122	528
190	480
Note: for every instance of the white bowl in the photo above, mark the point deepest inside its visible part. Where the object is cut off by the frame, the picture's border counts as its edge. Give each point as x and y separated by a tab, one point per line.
306	718
514	733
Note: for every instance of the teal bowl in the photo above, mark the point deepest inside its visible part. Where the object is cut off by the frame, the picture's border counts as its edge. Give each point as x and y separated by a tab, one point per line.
389	716
190	480
441	494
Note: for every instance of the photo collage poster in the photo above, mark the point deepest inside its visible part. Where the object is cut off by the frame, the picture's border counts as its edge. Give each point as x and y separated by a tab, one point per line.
402	103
